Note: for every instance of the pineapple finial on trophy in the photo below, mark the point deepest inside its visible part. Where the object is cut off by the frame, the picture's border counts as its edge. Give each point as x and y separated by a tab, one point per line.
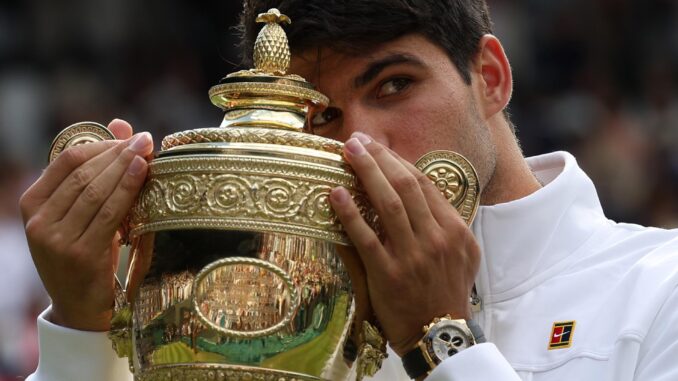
266	95
271	49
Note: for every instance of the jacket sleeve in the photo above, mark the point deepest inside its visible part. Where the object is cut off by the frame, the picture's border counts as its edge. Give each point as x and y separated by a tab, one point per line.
482	362
68	354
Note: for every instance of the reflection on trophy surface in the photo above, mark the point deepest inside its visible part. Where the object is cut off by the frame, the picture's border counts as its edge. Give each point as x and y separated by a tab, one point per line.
230	297
234	272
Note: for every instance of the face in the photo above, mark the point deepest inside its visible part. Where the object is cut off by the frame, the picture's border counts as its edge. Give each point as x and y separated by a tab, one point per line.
405	94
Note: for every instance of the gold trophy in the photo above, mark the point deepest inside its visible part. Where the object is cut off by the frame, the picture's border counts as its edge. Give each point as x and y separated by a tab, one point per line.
233	271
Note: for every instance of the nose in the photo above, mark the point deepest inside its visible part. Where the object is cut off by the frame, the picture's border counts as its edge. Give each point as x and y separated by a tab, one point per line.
356	121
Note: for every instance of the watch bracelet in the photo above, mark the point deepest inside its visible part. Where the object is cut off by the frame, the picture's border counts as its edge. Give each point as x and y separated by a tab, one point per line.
476	331
415	364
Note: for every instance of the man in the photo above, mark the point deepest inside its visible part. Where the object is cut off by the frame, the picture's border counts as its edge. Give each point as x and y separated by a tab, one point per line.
565	292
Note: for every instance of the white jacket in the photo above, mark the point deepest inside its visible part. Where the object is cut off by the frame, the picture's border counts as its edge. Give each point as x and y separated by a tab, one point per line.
548	258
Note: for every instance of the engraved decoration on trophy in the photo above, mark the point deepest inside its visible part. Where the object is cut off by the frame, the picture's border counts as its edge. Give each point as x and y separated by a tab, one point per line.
234	272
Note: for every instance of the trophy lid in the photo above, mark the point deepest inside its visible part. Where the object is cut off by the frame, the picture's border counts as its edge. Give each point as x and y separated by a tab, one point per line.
264	104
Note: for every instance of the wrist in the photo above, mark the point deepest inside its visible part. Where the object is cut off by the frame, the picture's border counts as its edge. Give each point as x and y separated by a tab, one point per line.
98	322
443	338
401	347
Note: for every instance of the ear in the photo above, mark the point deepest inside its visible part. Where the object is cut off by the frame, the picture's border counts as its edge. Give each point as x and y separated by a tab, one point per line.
494	78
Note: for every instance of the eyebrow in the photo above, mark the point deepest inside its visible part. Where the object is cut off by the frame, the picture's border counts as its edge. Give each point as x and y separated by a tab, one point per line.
376	67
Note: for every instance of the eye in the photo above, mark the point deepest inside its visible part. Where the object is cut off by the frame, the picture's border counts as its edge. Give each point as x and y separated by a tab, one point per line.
326	116
393	86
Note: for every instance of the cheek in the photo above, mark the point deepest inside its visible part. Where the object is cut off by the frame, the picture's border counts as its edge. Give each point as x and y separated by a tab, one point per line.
426	125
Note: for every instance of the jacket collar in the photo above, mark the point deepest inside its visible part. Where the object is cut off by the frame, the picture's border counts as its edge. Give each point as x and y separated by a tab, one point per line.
523	242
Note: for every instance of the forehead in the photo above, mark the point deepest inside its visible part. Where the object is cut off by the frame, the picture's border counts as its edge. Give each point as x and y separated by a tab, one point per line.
319	64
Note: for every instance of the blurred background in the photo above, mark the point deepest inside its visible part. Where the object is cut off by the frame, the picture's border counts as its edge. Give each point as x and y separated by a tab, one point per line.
597	78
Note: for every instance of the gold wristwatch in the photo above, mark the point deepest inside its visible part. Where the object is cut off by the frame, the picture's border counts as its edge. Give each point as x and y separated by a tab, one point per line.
443	338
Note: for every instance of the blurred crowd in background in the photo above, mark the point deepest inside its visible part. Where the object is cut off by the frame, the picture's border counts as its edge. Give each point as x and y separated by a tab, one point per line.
597	78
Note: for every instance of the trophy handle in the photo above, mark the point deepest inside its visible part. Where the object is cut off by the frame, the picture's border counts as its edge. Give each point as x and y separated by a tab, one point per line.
364	345
121	324
140	255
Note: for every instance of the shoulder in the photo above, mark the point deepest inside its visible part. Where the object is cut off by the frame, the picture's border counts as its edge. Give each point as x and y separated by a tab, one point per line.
635	269
630	247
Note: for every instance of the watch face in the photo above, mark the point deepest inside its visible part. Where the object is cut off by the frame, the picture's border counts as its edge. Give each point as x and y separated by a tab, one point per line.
445	339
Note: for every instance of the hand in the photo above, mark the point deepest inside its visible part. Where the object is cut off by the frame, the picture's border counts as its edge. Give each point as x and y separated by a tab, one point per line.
72	214
425	264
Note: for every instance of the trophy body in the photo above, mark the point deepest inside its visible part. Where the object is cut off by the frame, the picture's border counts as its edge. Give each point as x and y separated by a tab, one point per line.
237	244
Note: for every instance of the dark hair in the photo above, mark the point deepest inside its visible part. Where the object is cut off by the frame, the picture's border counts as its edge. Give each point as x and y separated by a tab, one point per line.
359	25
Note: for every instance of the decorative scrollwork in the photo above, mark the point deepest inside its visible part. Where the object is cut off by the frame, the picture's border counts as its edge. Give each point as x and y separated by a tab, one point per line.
228	194
319	209
184	193
252	194
151	202
281	198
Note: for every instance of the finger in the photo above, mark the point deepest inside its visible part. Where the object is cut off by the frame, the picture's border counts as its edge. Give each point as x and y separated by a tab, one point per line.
441	208
91	201
406	184
387	203
57	171
108	216
120	129
115	252
78	181
369	247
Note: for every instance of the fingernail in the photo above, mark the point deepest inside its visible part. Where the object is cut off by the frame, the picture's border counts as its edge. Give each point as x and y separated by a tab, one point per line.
354	147
136	166
363	138
140	142
339	195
